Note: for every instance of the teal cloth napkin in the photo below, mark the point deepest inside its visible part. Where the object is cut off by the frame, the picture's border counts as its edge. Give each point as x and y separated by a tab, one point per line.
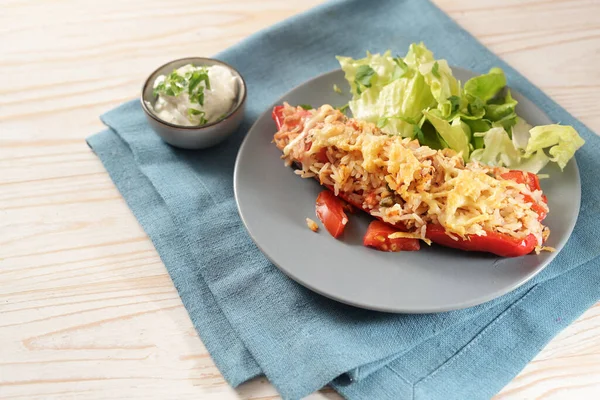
253	319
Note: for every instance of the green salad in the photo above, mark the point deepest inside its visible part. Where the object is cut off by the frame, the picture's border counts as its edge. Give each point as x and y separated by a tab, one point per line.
417	96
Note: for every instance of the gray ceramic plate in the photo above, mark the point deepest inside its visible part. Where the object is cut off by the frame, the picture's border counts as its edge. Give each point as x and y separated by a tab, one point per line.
274	203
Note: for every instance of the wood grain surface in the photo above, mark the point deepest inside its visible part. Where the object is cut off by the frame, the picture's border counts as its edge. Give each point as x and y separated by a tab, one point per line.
87	309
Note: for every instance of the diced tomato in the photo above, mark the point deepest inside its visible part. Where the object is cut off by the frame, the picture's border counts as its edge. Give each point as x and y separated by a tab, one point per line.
536	207
371	199
321	155
533	183
277	116
377	237
352	206
330	210
528	178
495	243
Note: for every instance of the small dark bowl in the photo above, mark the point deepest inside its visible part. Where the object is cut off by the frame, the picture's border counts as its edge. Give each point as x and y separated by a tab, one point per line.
194	137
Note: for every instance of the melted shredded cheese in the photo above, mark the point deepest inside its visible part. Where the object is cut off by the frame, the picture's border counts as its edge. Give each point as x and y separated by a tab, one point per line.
421	185
409	235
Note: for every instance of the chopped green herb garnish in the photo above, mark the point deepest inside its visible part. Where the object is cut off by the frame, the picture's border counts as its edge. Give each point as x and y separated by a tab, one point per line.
364	74
401	68
176	80
174	84
198	96
343	108
192	112
195	90
400	62
454	103
387	202
337	89
159	88
435	70
306	106
196	78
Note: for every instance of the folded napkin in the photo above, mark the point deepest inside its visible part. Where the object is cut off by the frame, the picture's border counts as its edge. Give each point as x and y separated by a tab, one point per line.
253	319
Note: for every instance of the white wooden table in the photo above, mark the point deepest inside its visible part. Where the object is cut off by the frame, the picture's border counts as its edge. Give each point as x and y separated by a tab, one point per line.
87	309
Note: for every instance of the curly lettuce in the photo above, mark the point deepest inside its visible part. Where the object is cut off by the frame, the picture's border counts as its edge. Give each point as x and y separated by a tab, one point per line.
417	96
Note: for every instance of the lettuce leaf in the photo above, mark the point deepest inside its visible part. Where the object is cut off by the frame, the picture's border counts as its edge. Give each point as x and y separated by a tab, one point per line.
501	112
486	86
561	141
417	96
428	136
438	76
477	125
392	95
401	102
356	71
535	163
498	149
455	133
520	134
495	112
418	54
451	106
526	150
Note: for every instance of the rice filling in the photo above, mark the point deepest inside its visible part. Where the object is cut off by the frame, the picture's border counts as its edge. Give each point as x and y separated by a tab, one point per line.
403	183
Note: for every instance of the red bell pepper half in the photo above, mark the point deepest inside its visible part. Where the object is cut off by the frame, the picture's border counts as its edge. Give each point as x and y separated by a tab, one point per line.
496	243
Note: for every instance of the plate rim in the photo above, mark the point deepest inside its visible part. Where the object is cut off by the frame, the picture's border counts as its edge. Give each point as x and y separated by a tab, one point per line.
396	310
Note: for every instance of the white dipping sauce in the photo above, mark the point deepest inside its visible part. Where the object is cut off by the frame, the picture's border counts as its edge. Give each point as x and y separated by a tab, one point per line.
218	100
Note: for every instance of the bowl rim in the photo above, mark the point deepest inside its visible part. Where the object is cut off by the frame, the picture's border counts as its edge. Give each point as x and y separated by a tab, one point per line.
234	110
